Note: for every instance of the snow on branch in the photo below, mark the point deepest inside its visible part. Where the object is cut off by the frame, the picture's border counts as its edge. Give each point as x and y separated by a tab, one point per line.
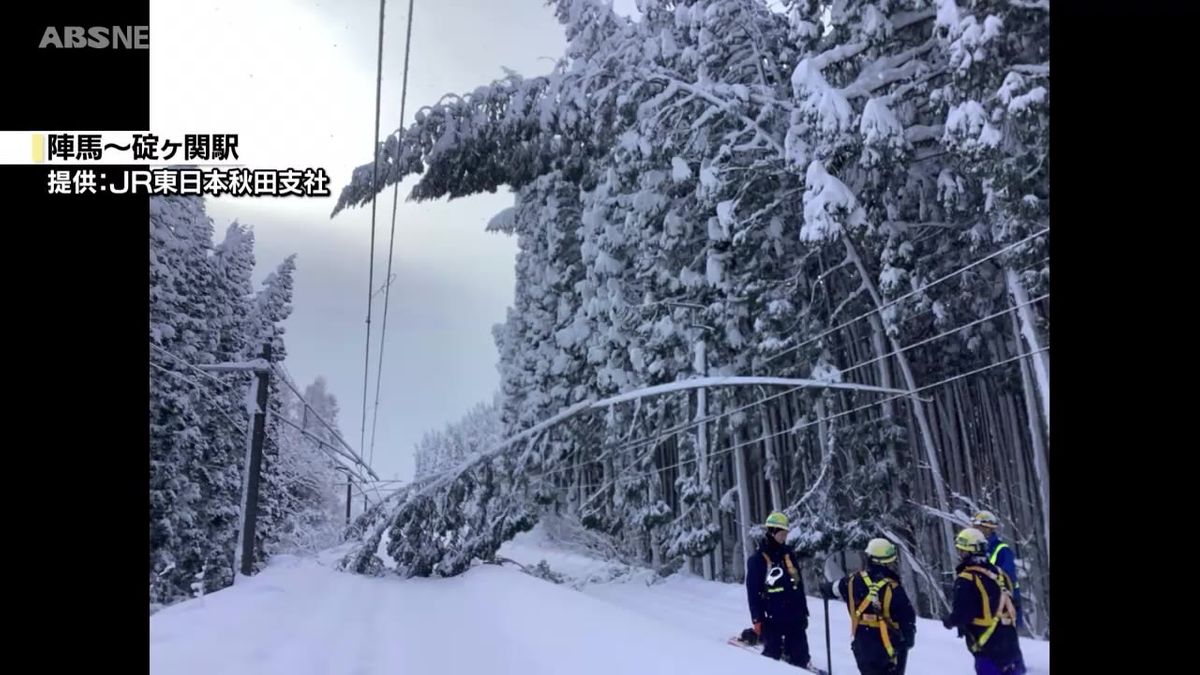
920	133
956	518
825	464
504	221
887	70
737	381
657	100
904	89
1035	69
856	293
441	478
707	95
839	53
830	207
905	19
507	130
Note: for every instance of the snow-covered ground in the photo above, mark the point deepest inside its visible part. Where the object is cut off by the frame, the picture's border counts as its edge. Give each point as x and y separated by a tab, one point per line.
712	611
301	617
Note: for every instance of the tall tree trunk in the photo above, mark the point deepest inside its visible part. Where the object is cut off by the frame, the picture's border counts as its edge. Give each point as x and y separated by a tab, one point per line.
888	405
822	429
577	485
806	451
1030	514
1040	465
752	452
743	489
941	430
931	449
895	493
965	426
1041	360
793	456
718	556
730	519
1023	482
606	479
654	492
700	365
772	449
757	482
998	441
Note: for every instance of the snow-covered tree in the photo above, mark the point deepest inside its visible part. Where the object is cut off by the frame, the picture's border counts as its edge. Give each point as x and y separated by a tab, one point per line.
440	530
203	310
441	450
180	238
307	488
221	473
721	188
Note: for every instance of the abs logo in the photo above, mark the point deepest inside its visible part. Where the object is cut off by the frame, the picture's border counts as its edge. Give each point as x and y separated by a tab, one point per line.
96	37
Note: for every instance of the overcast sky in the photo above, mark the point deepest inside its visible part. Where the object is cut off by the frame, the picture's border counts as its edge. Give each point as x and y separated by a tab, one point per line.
295	79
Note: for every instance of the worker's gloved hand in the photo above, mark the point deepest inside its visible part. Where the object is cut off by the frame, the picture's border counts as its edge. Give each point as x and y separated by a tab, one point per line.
827	590
948	621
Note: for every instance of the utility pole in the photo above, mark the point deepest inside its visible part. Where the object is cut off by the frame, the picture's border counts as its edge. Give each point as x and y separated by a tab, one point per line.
243	553
254	466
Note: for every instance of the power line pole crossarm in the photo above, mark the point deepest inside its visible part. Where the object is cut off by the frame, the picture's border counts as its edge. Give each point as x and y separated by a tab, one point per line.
257	365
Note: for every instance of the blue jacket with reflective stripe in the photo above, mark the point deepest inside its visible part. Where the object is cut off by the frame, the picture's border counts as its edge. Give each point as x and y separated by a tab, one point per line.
1006	560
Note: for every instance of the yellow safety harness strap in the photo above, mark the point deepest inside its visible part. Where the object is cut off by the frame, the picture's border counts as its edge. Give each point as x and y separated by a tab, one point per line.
887	619
1005	611
882	622
792	572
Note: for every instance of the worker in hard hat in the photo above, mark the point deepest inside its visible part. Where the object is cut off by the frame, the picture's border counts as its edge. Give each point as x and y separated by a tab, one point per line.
883	623
778	606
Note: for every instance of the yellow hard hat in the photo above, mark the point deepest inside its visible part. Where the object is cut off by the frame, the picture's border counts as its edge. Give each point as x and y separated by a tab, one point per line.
881	550
778	520
970	540
985	519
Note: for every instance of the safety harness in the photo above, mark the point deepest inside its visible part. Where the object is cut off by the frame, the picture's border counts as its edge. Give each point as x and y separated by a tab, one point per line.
791	569
881	617
1005	614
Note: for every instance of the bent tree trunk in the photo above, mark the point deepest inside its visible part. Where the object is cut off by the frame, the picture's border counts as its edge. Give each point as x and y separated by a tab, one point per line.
918	406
